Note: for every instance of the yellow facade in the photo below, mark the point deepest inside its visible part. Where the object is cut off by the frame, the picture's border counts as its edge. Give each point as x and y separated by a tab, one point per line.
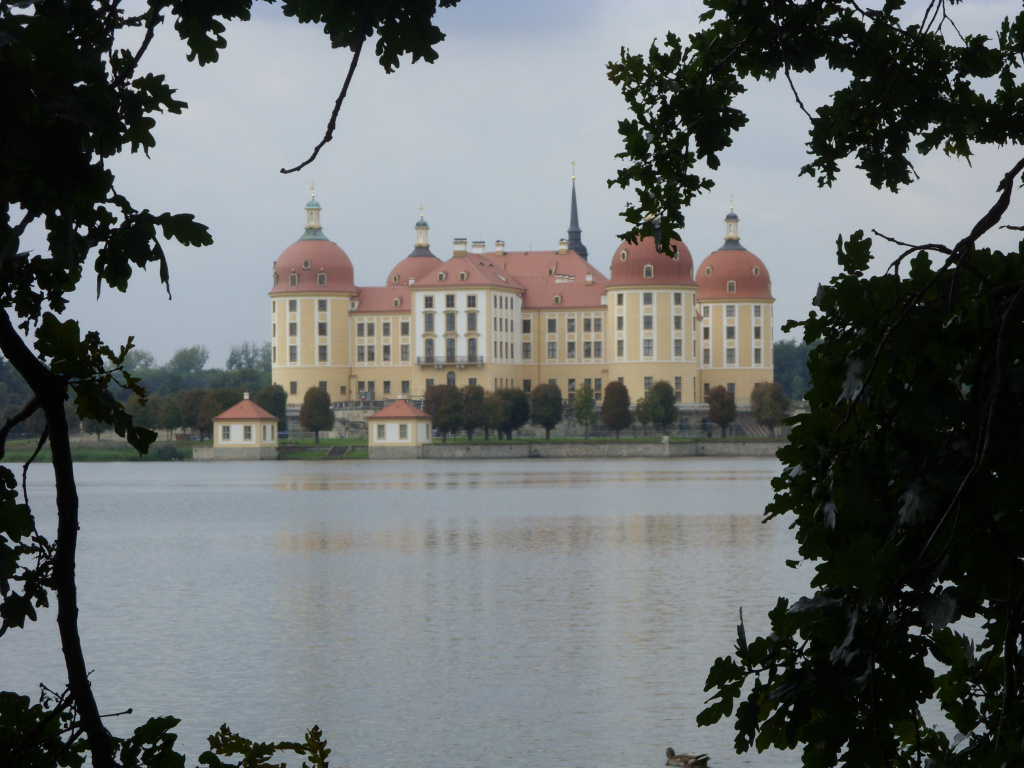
519	319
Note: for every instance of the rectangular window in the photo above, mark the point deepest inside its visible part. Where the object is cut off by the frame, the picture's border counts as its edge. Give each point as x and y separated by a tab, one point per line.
678	387
677	299
527	385
449	301
405	353
527	350
322	385
322	353
371	354
293	354
757	331
730	310
620	323
428	302
707	391
369	329
293	329
321	329
588	349
648	322
385	329
293	387
274	355
648	347
597	325
526	326
572	386
360	329
387	387
225	433
471	321
247	432
677	322
707	311
403	431
552	325
472	381
428	322
405	387
730	356
597	389
380	431
731	387
552	349
707	332
429	383
292	305
386	353
405	327
648	383
570	350
321	305
757	310
586	325
620	348
678	347
361	354
597	348
619	299
730	331
757	355
449	321
570	325
707	357
648	298
471	301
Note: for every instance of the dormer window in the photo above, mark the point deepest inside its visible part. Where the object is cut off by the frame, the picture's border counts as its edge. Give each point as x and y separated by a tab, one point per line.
321	278
731	286
462	275
707	271
397	302
275	278
558	299
305	264
757	271
394	279
648	270
440	277
293	279
623	255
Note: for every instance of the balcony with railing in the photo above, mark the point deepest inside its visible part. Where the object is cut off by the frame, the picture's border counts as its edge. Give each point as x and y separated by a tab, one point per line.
442	360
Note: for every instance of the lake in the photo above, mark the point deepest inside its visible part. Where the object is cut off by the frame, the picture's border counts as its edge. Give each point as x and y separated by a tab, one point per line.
423	613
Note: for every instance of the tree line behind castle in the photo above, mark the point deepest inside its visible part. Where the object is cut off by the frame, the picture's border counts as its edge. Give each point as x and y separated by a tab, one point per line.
183	394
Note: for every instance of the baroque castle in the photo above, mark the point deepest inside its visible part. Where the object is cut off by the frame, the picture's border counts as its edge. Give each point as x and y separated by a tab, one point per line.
502	318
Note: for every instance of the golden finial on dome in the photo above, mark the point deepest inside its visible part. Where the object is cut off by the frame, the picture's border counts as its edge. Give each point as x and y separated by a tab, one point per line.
574	170
731	196
312	190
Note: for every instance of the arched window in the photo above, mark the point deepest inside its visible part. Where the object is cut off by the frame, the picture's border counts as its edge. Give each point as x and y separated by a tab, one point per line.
293	279
428	350
471	350
648	270
731	286
451	378
449	349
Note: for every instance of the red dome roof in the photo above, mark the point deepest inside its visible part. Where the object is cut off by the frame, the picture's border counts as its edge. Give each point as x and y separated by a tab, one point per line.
630	262
413	268
307	259
734	265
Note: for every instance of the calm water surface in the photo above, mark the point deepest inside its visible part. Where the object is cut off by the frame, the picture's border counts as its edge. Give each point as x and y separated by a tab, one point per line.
536	613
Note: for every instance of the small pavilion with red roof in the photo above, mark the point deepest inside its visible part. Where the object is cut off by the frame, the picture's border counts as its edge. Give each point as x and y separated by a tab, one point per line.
245	431
398	430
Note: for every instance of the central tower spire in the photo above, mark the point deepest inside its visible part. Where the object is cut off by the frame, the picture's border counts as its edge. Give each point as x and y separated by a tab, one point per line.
575	244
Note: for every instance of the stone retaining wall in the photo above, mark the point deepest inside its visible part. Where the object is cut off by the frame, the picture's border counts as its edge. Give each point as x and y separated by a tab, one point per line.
584	450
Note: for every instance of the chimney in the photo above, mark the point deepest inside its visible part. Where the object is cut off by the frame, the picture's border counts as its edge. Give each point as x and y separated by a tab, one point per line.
459	247
245	395
563	246
478	246
499	247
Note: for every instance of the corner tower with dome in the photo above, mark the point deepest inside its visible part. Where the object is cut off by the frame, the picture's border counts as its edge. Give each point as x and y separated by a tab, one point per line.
502	318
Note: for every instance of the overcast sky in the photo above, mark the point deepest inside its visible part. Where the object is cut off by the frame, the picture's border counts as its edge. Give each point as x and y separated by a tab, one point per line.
483	139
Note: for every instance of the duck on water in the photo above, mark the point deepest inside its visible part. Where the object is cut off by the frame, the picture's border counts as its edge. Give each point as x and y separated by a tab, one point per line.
683	760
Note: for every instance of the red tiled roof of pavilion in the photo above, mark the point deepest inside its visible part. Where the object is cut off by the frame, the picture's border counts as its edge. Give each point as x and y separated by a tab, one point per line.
399	409
246	410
